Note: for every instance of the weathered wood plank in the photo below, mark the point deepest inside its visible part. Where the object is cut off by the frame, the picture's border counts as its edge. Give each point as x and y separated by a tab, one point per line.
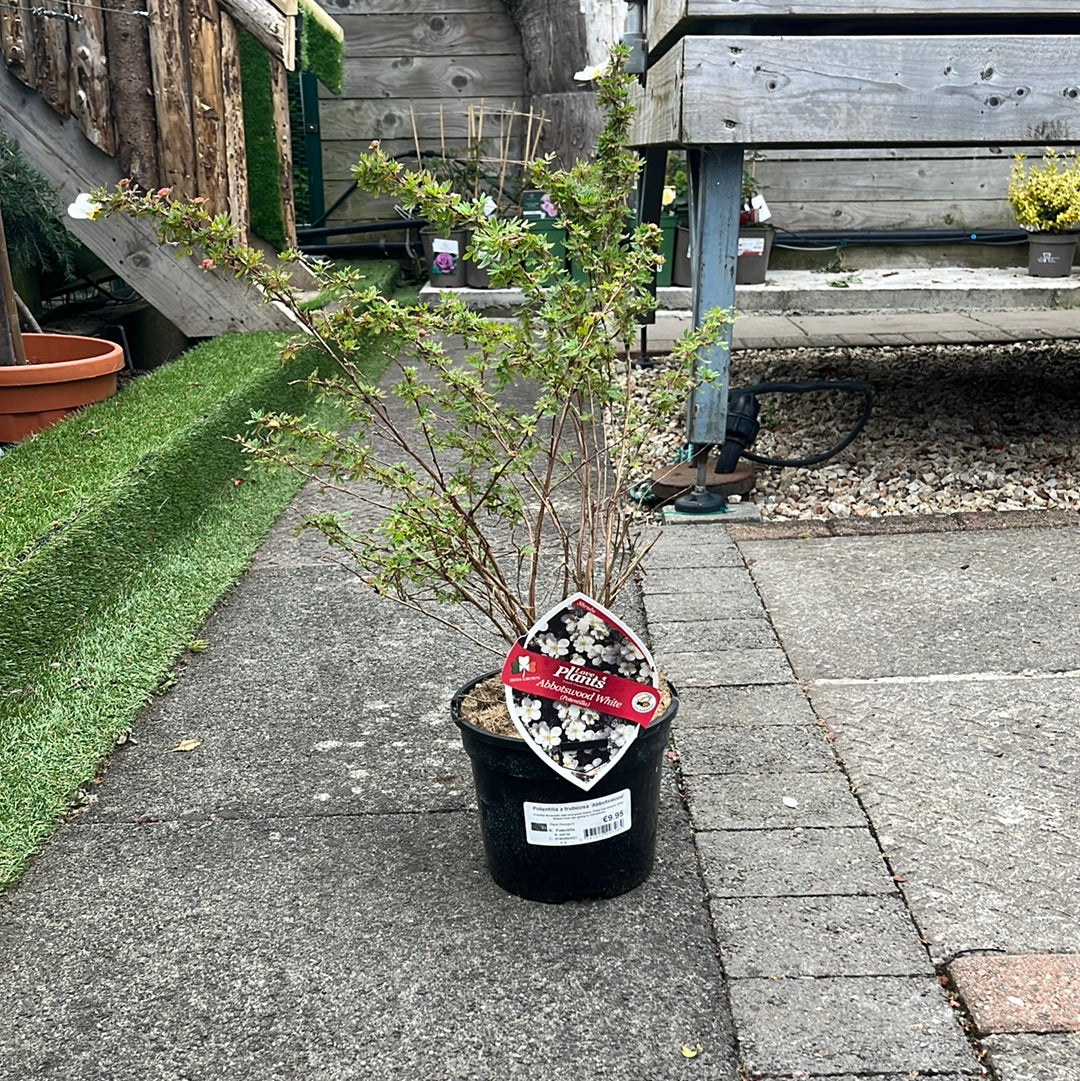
339	8
279	96
460	34
51	62
89	88
130	91
911	178
888	214
202	25
16	40
268	25
664	15
199	303
362	119
800	91
443	77
172	98
233	112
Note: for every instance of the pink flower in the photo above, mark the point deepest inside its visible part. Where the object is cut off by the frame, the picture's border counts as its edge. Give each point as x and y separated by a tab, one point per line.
162	192
207	264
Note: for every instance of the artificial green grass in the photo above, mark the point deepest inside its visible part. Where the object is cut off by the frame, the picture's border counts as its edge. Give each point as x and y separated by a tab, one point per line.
322	51
260	142
122	527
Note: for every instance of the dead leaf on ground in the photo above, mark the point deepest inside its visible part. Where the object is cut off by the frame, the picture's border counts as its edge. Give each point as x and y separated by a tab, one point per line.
188	745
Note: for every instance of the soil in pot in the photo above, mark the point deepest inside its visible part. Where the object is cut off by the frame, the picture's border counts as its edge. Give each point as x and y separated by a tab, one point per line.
544	838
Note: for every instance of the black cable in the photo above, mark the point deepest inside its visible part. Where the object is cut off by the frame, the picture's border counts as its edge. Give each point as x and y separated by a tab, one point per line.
847	386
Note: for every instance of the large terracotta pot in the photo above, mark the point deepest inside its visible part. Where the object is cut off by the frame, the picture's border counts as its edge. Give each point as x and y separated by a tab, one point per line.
65	372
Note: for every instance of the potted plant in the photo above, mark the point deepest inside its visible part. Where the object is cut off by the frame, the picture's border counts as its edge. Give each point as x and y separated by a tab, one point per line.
755	236
43	377
498	496
1045	198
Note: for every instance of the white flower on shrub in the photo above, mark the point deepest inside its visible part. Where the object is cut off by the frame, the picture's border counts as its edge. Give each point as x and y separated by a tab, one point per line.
529	709
593	71
620	735
611	654
84	208
569	760
549	738
567	712
577	659
594	625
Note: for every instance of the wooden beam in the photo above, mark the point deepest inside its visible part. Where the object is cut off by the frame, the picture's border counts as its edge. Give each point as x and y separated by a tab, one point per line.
282	134
274	30
89	88
51	64
665	15
202	25
130	90
172	97
201	304
235	144
16	40
863	91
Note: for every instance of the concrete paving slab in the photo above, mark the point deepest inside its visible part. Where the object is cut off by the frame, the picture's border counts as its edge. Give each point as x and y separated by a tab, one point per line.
711	707
768	801
683	550
340	948
859	607
868	1025
972	787
793	863
753	632
1037	993
727	667
1035	1058
288	730
738	602
754	749
778	937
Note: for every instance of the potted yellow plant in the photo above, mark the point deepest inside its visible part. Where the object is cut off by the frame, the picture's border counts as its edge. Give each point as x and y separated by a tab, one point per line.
1045	198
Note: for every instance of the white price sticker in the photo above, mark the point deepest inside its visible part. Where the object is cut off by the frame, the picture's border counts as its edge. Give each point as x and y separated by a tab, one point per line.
559	824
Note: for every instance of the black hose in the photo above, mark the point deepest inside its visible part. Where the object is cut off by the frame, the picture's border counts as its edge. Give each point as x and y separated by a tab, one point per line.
848	386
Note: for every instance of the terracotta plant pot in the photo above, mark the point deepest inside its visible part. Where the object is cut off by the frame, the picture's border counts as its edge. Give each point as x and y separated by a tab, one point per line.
65	372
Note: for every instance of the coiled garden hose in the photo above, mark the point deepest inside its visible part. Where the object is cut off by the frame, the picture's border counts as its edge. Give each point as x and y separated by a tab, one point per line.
742	423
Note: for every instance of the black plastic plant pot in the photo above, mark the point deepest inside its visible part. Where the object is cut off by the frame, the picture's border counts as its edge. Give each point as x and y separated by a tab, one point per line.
545	839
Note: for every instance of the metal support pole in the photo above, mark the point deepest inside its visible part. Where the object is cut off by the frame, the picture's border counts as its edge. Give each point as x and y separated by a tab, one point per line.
715	202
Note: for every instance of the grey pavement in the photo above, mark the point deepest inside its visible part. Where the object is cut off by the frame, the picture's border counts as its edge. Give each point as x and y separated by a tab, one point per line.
873	783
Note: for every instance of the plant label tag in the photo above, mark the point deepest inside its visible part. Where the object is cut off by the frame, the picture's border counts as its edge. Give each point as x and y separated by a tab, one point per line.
751	245
450	247
556	825
579	686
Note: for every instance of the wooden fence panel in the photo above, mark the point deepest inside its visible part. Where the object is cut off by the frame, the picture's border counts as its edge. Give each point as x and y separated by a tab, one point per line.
89	89
172	97
16	40
202	24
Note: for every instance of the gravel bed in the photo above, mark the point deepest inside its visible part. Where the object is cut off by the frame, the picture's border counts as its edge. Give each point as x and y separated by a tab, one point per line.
954	428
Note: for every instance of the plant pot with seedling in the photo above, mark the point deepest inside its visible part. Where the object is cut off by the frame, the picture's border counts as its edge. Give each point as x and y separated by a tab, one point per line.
502	496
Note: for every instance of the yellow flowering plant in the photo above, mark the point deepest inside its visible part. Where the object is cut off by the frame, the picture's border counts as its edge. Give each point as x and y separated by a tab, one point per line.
1045	197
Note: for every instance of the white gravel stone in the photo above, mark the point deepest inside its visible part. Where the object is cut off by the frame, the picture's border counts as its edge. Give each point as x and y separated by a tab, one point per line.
953	428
